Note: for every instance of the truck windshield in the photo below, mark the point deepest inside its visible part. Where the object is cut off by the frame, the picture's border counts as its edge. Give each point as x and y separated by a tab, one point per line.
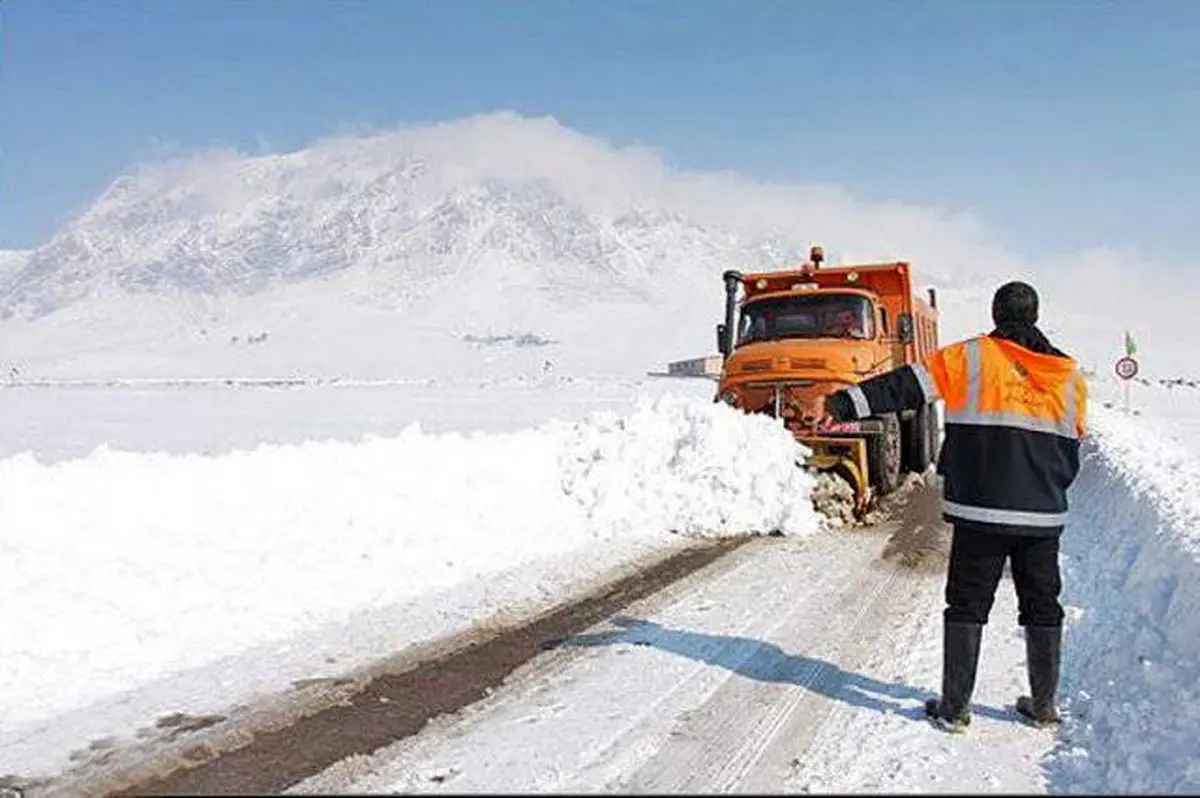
811	316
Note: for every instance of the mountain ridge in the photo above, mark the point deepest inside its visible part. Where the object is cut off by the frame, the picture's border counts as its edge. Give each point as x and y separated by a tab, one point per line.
167	237
497	227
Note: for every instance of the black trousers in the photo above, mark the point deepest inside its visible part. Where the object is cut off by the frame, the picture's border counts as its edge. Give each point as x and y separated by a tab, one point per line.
976	563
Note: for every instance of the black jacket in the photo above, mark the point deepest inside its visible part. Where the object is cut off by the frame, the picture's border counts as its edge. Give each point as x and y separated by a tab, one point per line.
1015	412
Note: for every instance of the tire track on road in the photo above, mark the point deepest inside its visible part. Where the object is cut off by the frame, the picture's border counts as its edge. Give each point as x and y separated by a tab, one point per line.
643	740
718	746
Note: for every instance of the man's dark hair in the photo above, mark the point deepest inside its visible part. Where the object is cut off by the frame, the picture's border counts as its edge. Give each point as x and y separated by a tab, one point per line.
1015	303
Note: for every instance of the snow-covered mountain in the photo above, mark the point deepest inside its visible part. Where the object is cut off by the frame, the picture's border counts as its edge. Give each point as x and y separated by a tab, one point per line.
474	229
11	262
496	242
147	237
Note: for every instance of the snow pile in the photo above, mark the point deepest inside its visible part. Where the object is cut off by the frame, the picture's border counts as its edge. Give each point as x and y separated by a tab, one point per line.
1131	673
122	568
676	464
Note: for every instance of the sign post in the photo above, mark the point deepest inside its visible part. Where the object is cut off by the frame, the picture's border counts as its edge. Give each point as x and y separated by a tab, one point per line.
1127	367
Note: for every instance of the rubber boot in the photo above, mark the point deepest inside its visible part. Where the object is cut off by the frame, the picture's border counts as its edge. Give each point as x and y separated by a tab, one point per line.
960	658
1043	653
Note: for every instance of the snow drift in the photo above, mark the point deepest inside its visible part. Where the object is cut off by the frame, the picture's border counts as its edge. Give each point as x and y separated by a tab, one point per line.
121	568
1131	672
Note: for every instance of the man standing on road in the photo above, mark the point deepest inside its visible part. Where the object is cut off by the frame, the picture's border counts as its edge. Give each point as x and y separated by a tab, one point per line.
1015	413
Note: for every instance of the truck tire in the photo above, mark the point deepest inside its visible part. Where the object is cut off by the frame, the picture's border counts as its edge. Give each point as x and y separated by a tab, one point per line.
918	442
884	456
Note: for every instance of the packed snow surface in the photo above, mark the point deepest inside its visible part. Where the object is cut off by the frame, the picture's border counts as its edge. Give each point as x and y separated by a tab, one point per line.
816	684
124	567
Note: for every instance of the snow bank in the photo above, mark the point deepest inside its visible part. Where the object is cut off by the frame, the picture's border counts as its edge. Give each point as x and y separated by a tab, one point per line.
1131	672
685	468
122	568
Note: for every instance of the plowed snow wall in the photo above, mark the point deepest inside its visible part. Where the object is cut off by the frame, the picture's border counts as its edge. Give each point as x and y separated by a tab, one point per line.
1131	674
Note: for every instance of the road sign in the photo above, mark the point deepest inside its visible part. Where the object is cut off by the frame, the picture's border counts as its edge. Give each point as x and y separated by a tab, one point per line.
1127	368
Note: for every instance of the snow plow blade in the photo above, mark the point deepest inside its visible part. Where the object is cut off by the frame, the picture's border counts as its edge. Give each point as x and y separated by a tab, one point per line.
846	457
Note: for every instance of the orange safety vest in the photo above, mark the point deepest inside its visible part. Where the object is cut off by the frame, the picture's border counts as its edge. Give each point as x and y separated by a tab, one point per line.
992	381
1013	419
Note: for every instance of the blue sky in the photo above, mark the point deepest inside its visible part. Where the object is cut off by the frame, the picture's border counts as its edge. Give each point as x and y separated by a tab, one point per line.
1062	124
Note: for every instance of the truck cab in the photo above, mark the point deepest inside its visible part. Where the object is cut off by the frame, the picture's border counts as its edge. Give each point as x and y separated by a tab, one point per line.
793	336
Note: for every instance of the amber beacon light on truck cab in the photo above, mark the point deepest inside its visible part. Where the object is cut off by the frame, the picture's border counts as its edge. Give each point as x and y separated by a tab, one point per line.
795	335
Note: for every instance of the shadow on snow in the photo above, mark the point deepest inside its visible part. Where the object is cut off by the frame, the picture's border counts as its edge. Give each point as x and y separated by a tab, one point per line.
767	662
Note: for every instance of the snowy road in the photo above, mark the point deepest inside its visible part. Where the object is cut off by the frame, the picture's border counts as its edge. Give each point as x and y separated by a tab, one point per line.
787	665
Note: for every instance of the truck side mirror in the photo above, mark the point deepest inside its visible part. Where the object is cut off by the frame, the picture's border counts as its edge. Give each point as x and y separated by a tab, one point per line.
906	328
722	341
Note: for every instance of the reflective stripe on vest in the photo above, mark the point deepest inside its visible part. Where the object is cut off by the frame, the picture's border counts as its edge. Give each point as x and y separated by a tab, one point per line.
995	515
861	406
973	414
974	375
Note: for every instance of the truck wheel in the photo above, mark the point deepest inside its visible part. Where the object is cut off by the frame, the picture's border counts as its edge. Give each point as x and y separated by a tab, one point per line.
884	456
918	446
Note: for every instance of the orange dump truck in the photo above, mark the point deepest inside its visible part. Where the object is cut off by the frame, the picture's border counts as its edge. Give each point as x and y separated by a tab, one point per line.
796	335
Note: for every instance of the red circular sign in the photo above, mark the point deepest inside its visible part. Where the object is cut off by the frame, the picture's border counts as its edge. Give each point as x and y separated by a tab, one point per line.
1127	368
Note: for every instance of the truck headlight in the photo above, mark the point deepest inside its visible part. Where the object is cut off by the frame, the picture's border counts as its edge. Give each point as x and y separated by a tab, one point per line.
730	398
